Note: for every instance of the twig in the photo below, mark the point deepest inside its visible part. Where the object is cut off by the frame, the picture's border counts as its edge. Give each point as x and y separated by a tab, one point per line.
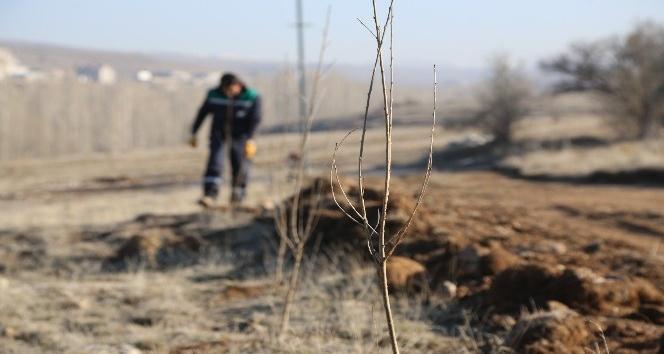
394	242
367	27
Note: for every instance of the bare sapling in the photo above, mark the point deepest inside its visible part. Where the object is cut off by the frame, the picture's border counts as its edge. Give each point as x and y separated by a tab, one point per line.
296	217
381	246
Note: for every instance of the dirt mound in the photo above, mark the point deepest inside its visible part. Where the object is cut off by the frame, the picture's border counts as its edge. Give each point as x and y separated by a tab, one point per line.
165	241
337	229
497	260
233	292
633	337
21	251
558	331
519	286
578	288
405	275
156	247
468	264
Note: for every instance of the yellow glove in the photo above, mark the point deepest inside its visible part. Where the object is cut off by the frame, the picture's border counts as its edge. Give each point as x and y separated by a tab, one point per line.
192	141
250	149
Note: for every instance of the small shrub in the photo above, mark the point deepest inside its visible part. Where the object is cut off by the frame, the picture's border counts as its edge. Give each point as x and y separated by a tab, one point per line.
503	99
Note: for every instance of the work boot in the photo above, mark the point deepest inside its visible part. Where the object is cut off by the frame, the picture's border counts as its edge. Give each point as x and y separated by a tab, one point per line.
237	195
207	201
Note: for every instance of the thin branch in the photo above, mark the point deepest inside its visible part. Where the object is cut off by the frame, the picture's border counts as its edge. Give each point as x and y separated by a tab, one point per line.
391	18
362	141
334	174
296	233
282	228
388	136
394	242
364	125
372	252
314	208
367	27
296	227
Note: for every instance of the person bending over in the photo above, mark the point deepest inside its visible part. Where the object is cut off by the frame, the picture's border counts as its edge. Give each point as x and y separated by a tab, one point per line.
236	113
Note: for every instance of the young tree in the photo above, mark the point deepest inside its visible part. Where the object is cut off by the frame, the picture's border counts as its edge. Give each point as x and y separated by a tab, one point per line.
628	72
380	244
503	99
297	216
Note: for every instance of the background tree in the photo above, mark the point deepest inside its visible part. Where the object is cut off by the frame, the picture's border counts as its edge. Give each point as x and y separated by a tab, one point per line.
503	99
296	217
628	72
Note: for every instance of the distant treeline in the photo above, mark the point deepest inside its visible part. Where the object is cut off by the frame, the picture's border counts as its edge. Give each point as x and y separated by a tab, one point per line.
48	119
45	119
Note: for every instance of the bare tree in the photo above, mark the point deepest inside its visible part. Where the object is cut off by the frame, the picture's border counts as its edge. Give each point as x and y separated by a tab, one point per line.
380	245
503	99
628	72
296	217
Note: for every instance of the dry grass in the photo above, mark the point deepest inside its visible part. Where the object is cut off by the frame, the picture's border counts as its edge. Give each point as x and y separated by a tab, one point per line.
88	310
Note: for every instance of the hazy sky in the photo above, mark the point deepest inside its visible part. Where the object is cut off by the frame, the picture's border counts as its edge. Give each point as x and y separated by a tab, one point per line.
448	32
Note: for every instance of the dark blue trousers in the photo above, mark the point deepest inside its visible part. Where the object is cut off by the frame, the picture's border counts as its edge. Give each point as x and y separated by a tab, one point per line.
215	169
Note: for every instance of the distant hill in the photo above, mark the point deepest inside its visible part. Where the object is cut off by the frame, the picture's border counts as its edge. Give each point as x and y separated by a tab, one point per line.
50	56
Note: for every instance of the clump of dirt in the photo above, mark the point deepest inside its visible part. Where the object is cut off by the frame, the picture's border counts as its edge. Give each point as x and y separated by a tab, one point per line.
633	337
156	247
467	263
21	251
519	286
558	331
233	292
498	259
405	275
579	288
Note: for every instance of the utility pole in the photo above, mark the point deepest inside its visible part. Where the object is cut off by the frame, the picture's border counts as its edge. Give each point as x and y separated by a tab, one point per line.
301	66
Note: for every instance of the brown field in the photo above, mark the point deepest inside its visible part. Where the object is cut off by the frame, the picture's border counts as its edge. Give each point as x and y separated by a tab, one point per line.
110	254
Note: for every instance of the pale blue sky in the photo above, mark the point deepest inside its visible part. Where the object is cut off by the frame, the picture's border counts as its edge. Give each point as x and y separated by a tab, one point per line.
448	32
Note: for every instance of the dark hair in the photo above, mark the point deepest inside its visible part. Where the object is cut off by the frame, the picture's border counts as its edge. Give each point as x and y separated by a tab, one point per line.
229	79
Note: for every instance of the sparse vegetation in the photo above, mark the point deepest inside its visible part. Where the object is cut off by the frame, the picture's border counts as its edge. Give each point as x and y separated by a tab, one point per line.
628	72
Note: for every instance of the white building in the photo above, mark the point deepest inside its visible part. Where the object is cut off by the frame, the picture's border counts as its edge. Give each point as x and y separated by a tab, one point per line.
10	66
103	74
170	77
208	78
144	76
